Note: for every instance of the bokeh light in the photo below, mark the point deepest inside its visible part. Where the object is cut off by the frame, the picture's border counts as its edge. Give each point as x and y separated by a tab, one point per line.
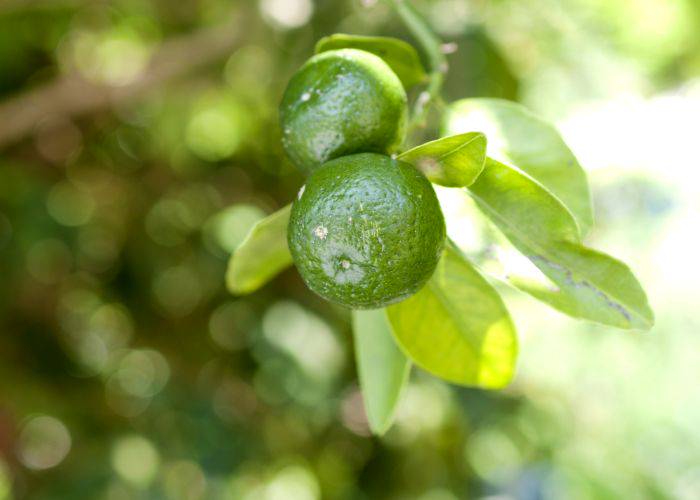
142	373
287	14
293	482
494	456
451	17
250	69
116	56
185	480
136	460
44	442
305	337
139	143
69	205
423	409
289	482
217	127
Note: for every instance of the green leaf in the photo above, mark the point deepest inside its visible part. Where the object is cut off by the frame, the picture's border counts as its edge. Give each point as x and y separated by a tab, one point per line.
518	137
262	255
457	326
382	368
401	57
521	207
454	161
587	284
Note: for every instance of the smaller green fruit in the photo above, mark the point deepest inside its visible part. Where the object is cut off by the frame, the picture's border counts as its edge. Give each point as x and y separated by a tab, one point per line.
366	231
342	102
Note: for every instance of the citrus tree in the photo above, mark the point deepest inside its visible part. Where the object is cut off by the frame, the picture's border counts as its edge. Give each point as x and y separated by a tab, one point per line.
366	230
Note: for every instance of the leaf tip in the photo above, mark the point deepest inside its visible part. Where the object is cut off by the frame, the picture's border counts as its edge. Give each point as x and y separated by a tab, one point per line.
648	321
378	429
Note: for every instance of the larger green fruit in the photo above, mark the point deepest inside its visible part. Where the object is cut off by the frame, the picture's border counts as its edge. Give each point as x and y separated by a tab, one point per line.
366	231
342	102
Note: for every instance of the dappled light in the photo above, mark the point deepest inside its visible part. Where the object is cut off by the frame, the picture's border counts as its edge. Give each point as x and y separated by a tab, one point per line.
158	341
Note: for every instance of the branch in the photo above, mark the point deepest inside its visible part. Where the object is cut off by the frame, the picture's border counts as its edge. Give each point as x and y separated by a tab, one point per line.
72	95
437	62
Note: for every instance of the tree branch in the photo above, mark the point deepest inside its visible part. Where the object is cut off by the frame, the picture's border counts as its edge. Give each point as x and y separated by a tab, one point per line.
433	50
72	95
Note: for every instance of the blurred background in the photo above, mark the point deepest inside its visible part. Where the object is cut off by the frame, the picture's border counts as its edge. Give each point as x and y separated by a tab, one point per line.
139	143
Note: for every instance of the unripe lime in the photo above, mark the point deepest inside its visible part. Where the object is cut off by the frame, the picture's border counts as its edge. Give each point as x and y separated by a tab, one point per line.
366	231
342	102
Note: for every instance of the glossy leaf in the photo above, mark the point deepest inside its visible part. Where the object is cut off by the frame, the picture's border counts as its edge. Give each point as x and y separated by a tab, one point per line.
521	207
457	326
518	137
262	255
589	285
399	55
454	161
585	283
382	368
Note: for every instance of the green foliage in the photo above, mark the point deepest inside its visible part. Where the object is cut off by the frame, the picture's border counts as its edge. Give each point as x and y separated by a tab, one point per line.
128	370
399	55
454	161
457	326
262	255
382	368
521	207
589	284
518	137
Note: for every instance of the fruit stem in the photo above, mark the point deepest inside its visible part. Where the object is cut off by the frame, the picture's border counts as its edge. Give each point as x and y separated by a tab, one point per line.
437	62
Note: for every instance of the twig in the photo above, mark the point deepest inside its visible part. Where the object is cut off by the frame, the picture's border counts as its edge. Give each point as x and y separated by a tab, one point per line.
437	62
72	95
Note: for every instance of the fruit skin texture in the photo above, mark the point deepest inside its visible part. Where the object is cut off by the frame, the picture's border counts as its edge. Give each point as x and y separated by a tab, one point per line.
366	231
342	102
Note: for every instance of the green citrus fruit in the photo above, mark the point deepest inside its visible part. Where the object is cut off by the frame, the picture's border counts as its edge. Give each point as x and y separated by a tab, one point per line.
366	231
342	102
